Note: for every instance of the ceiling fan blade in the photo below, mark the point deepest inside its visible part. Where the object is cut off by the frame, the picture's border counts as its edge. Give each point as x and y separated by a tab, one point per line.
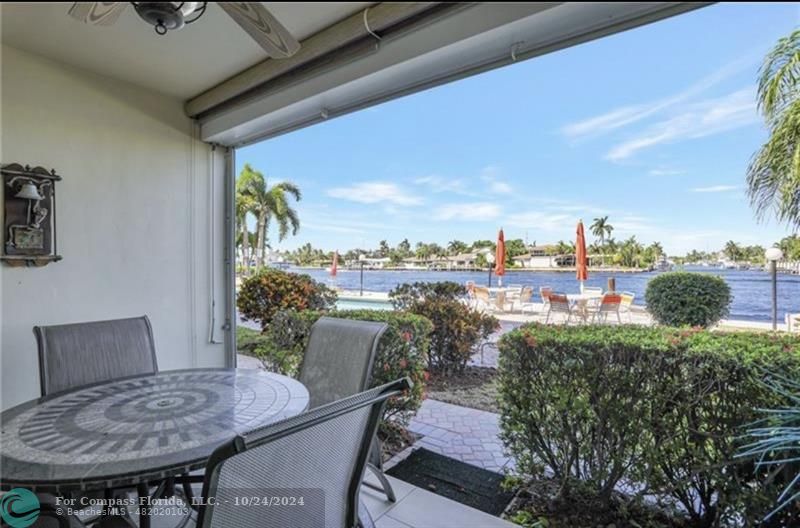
97	13
262	27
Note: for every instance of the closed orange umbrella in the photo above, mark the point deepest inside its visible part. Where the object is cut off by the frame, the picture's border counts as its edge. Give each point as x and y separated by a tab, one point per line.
335	265
581	262
500	257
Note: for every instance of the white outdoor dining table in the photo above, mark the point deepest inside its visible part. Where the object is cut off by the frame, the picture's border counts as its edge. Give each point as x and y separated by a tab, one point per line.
578	297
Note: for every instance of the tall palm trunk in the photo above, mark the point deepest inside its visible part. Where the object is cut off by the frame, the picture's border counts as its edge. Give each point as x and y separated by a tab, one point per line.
245	248
262	239
603	250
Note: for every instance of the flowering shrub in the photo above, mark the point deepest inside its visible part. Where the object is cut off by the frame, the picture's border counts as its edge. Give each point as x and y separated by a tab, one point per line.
402	350
662	407
271	290
457	328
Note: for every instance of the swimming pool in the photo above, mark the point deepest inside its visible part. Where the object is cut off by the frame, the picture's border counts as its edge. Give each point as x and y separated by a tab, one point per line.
349	303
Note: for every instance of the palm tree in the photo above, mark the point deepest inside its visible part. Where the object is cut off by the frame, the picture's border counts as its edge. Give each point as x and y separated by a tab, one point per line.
773	177
456	246
244	206
267	204
601	228
732	250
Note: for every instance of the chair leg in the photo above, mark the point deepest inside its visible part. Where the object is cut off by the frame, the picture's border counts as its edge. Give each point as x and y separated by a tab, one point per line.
385	487
376	466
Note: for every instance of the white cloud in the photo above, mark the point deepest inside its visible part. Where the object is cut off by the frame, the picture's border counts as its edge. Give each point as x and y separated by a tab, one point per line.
375	192
716	189
474	211
697	120
665	172
439	184
491	175
542	221
626	115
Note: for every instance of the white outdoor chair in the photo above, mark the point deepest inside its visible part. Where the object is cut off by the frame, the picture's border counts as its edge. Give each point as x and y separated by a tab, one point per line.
558	303
609	306
482	299
626	304
544	293
524	300
502	303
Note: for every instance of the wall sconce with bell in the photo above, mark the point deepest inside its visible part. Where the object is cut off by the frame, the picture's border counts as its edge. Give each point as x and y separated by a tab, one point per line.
29	215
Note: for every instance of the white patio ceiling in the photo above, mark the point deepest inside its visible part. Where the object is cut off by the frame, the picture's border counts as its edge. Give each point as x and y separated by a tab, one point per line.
437	46
182	63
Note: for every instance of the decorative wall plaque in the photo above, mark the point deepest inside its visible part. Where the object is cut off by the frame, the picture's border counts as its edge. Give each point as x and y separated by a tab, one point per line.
29	225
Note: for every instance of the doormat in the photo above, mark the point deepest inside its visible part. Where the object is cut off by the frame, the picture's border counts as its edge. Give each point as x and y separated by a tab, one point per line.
470	485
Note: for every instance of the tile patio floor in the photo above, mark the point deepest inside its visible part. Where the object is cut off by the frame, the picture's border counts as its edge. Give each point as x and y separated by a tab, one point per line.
419	508
468	435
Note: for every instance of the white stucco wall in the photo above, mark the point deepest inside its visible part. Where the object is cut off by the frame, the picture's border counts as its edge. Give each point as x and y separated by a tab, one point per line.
133	211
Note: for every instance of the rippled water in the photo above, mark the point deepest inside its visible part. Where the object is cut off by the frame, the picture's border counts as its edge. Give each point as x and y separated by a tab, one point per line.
751	289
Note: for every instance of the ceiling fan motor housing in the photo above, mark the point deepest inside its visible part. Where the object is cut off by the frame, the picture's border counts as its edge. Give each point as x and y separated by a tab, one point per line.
163	16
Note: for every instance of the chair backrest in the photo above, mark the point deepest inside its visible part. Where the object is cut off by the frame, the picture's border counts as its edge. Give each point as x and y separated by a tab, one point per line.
338	358
500	300
627	299
525	294
482	293
545	292
559	302
610	302
593	289
312	463
74	355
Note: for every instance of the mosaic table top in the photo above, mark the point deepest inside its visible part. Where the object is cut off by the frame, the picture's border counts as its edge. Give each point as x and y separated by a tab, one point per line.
141	428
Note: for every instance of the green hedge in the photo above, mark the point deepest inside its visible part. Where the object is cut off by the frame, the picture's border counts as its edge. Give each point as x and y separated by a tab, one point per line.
662	407
402	350
682	298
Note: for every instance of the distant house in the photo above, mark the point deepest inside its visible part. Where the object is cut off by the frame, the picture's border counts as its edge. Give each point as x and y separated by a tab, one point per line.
376	262
543	257
528	260
416	263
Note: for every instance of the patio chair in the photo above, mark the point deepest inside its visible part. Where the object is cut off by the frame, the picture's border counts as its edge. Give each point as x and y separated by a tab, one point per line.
320	455
338	363
626	304
524	301
544	293
470	286
558	304
74	355
482	298
502	303
609	305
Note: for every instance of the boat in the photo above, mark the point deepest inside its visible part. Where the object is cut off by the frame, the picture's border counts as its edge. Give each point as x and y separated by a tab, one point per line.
662	264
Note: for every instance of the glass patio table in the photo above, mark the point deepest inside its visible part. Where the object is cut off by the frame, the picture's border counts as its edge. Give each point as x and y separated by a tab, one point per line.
136	430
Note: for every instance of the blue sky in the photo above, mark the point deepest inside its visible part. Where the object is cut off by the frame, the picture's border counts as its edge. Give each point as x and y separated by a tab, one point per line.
653	127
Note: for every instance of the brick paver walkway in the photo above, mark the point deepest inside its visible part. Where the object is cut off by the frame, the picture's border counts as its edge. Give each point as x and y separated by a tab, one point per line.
468	435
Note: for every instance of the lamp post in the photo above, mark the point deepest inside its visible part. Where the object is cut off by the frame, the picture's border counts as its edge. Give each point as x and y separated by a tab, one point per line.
361	258
773	255
490	261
